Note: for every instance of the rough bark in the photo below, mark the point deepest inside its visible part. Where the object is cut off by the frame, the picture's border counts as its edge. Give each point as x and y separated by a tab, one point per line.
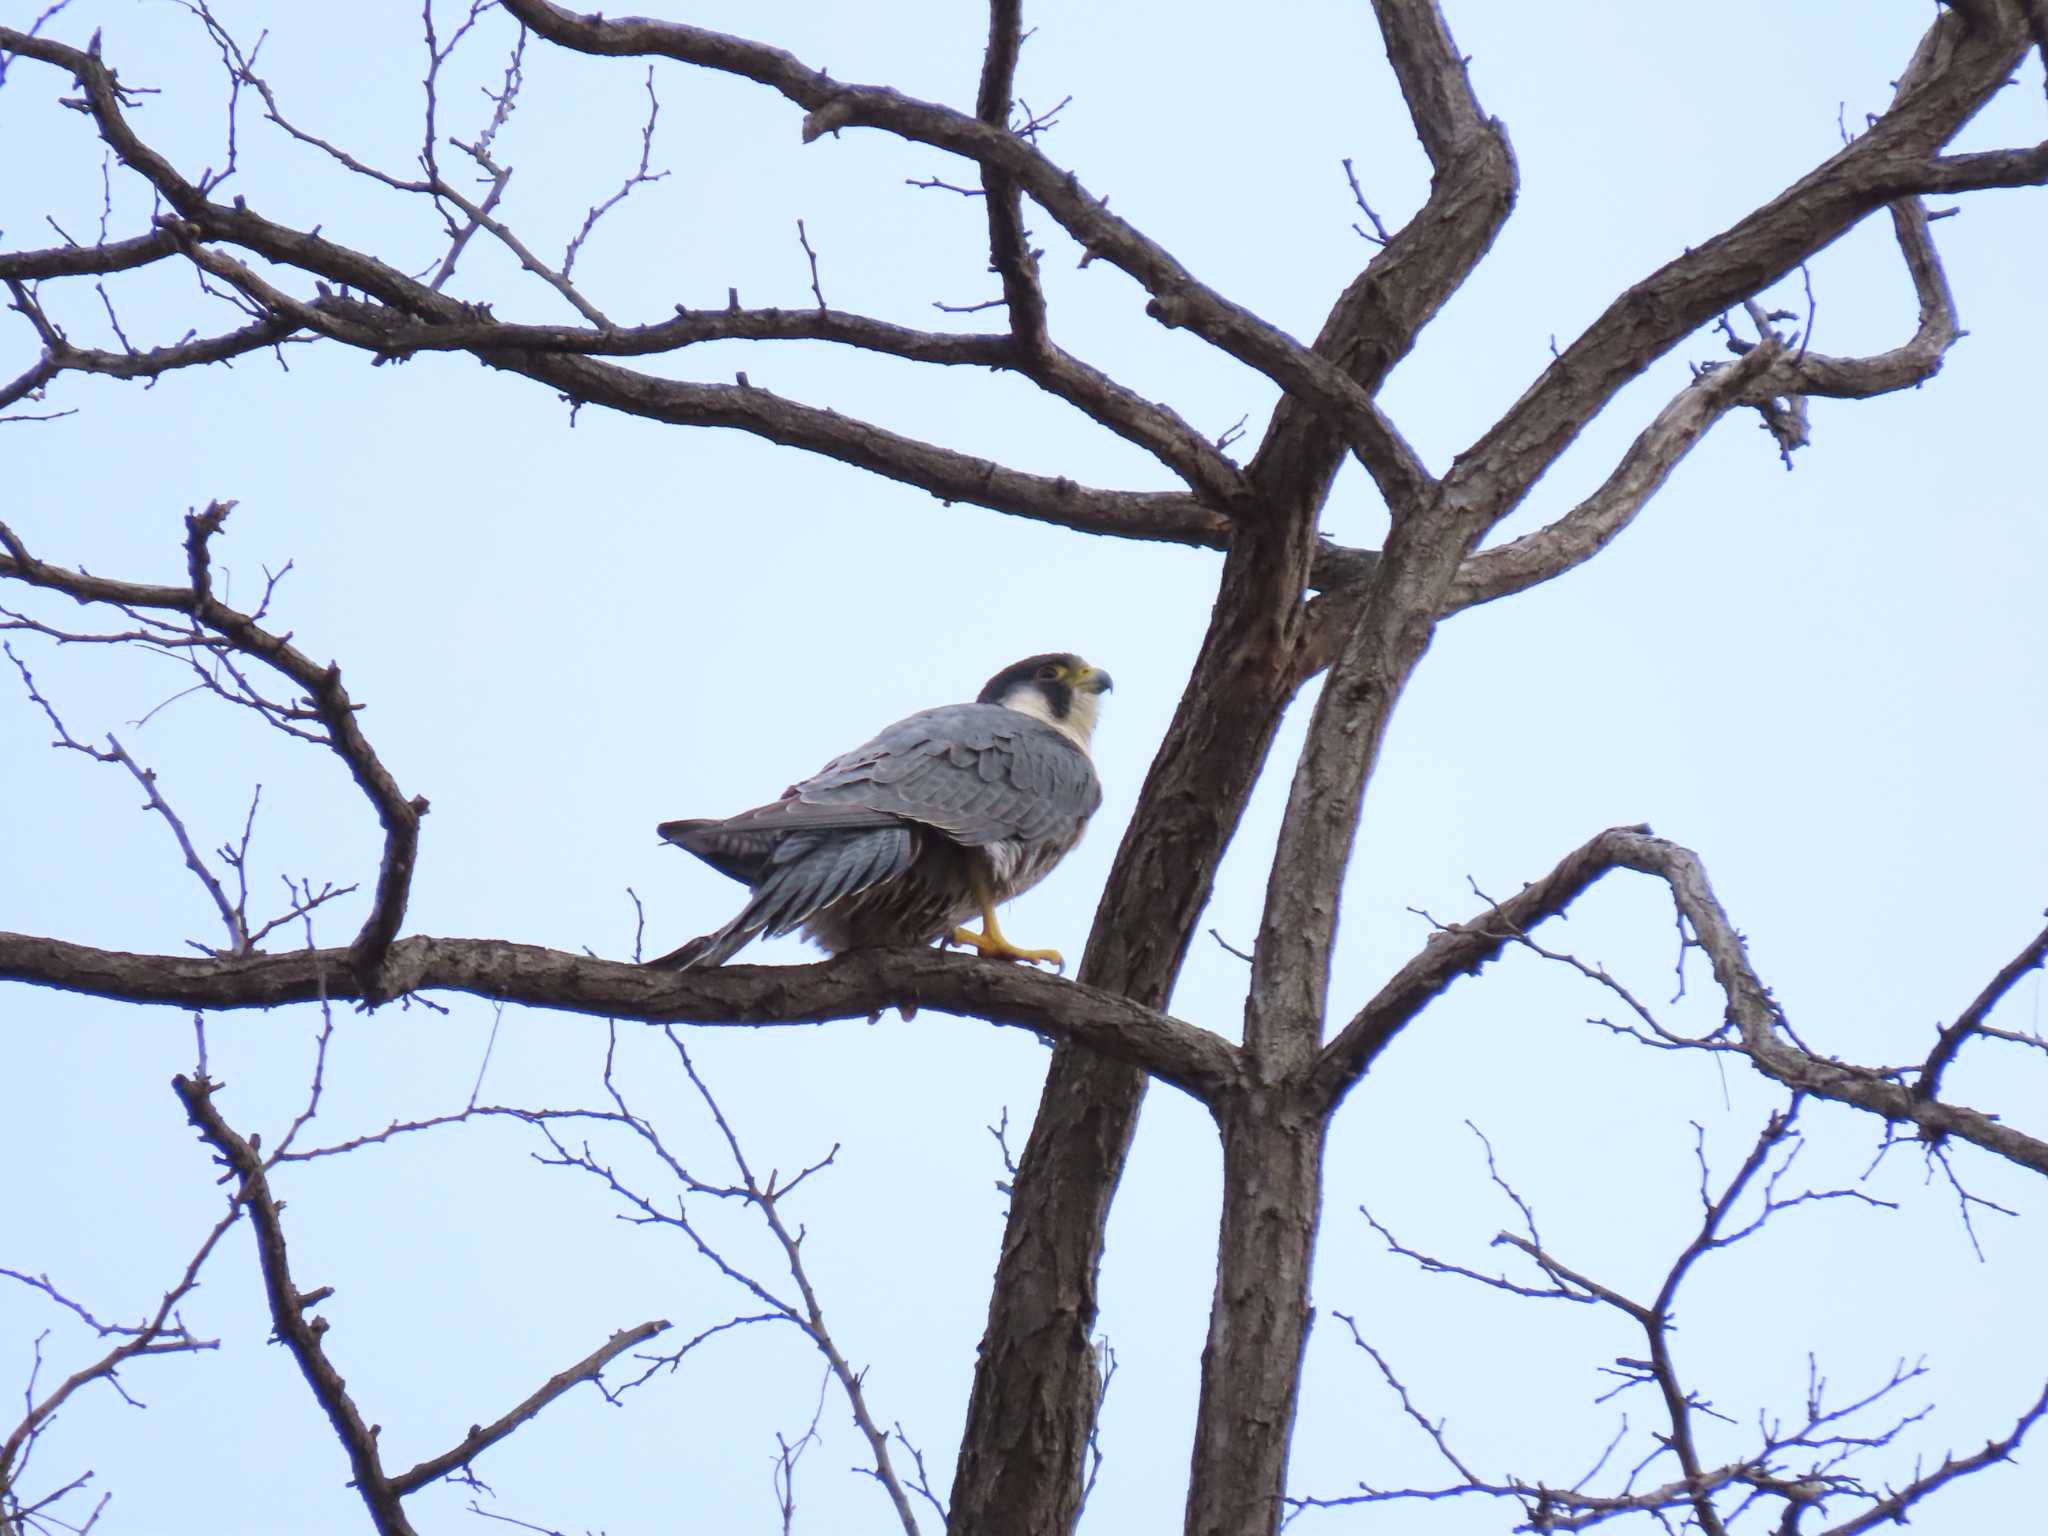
1273	1139
857	985
1034	1395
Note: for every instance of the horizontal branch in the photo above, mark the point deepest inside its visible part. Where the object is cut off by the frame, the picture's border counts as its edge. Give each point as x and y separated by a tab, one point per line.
394	333
1981	172
1168	516
568	359
857	985
61	357
391	332
85	260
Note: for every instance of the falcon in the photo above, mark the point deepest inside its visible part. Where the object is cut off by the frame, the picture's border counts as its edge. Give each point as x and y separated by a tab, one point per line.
943	817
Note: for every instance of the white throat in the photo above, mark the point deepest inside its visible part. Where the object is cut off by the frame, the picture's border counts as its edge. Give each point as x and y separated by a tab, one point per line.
1078	727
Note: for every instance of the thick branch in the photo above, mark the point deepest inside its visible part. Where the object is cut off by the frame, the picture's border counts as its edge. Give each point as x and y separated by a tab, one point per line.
1251	1368
1273	1142
1291	965
1436	86
1471	194
852	986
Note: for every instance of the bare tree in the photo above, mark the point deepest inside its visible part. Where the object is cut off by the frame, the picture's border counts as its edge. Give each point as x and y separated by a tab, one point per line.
1292	609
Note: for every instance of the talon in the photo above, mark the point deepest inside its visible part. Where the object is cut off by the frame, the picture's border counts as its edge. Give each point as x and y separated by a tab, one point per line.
991	945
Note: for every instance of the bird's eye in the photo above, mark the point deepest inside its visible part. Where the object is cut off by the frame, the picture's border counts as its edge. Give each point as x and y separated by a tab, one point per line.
1048	673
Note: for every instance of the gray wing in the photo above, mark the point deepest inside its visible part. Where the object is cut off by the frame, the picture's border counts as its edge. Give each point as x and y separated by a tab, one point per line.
976	773
979	773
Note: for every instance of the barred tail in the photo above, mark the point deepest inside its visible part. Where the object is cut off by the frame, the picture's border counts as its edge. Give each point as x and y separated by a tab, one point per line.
711	949
808	872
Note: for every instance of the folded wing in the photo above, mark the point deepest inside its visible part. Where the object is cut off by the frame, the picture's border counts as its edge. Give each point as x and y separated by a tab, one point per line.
971	774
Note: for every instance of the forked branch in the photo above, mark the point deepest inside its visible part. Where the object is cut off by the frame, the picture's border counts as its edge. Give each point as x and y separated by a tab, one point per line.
1760	376
1753	1015
304	1335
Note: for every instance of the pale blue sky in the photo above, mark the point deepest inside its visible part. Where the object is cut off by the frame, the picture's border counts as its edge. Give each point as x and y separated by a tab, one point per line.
1828	682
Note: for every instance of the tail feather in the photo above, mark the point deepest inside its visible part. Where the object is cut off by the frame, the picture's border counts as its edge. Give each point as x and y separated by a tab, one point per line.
832	869
708	950
805	873
738	853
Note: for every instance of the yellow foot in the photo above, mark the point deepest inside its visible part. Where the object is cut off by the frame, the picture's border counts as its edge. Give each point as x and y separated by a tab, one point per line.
993	946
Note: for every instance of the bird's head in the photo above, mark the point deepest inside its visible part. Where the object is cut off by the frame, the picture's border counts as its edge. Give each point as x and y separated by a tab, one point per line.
1059	688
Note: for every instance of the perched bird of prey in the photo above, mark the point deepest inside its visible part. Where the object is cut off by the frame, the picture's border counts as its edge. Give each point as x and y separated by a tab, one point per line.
945	815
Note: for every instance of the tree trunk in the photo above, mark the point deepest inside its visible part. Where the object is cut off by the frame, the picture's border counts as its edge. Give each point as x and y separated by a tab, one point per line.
1033	1401
1259	1321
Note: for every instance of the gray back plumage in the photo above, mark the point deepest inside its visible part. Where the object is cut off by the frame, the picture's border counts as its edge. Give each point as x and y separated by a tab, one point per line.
973	774
979	773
